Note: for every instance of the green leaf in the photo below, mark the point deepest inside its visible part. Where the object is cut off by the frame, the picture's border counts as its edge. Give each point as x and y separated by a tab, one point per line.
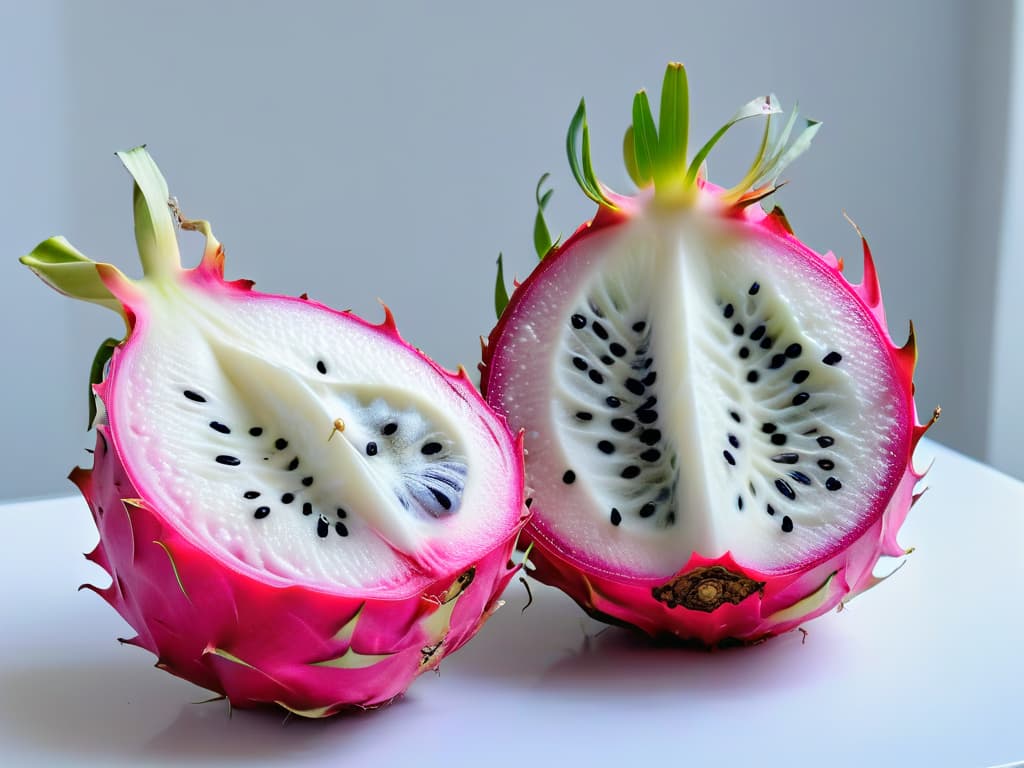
645	139
763	106
577	145
542	242
154	227
786	156
99	363
629	157
64	268
673	127
500	294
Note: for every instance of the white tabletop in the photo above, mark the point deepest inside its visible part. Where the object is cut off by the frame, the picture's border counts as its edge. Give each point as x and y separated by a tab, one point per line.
925	670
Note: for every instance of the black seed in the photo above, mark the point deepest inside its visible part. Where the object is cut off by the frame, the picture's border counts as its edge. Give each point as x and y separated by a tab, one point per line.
607	359
753	490
251	494
634	386
778	439
580	363
794	350
647	509
831	358
280	443
623	425
261	512
650	378
230	461
287	498
647	417
340	529
322	527
218	427
320	366
670	518
596	377
578	322
584	415
613	401
770	509
307	481
389	429
800	477
648	362
754	288
786	458
651	454
194	396
728	310
744	353
293	464
735	416
630	472
738	330
606	446
429	449
639	326
777	361
307	508
616	516
256	431
800	398
599	330
729	457
616	349
832	484
734	441
800	376
825	441
529	502
787	524
650	436
811	431
371	448
785	489
569	477
757	333
442	499
753	376
739	502
766	342
768	428
827	464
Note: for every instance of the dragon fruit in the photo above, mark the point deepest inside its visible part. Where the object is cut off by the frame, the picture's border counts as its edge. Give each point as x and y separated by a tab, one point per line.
719	429
294	505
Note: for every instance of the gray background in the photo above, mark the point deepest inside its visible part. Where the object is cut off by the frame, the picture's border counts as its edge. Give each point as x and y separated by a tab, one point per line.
354	151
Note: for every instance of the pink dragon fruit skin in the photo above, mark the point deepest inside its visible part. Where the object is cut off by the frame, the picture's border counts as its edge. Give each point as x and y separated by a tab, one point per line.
217	609
710	597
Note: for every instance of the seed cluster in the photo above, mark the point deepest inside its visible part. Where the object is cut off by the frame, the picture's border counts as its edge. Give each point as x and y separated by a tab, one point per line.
763	354
623	417
433	483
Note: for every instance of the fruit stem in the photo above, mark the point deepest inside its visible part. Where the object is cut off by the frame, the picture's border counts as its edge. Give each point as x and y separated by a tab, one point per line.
154	227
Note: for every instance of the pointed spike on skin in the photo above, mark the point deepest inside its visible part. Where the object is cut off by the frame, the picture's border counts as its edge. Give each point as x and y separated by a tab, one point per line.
907	354
870	287
388	324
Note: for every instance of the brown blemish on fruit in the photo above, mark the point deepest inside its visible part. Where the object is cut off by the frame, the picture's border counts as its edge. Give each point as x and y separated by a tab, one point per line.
704	589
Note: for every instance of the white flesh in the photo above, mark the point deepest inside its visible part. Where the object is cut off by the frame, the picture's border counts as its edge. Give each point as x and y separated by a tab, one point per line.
254	361
676	274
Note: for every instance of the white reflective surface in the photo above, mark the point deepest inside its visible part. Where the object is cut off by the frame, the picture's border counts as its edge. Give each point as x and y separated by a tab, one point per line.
927	669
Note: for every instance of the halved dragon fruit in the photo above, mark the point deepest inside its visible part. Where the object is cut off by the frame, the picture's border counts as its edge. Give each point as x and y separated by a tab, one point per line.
719	429
294	505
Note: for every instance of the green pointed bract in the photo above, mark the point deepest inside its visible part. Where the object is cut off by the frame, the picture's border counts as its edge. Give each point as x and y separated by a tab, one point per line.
542	242
500	292
154	227
657	154
61	266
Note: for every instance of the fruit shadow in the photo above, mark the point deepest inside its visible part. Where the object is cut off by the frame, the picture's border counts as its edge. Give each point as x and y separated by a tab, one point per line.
554	646
107	713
